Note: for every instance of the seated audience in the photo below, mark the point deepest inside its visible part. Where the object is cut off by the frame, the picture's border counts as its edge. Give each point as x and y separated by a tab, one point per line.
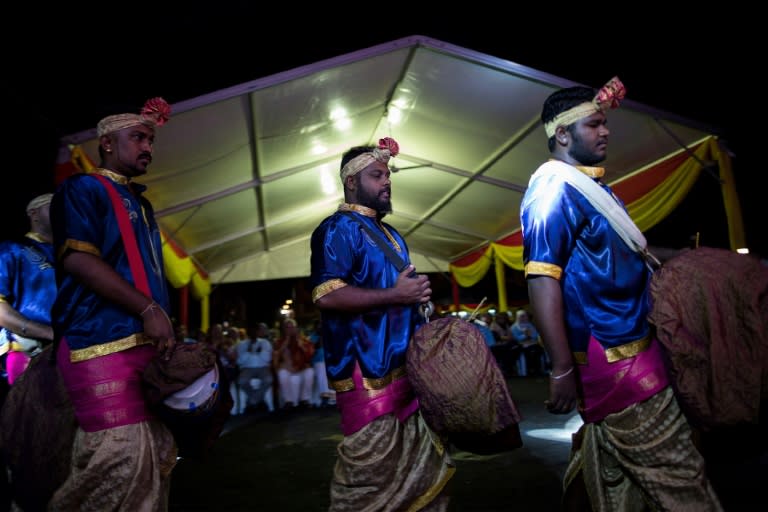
292	361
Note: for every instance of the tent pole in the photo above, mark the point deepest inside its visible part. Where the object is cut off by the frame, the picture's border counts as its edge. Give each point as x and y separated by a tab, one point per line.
205	321
455	292
736	233
184	305
501	284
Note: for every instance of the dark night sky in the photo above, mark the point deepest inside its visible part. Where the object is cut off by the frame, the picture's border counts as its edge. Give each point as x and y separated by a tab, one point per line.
62	73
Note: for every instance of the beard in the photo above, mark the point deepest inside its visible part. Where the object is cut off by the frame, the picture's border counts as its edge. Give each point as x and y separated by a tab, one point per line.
374	201
579	152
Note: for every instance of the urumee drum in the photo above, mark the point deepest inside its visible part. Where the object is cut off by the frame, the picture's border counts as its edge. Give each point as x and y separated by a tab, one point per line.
462	393
190	393
198	398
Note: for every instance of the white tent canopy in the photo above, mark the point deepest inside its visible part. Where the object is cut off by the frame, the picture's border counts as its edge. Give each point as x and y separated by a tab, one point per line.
241	176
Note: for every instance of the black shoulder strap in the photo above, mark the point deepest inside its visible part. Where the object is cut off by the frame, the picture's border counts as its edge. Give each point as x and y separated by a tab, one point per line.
400	263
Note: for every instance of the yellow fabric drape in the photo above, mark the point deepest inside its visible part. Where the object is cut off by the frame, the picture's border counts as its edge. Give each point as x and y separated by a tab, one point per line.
181	271
736	234
647	211
652	208
511	255
471	274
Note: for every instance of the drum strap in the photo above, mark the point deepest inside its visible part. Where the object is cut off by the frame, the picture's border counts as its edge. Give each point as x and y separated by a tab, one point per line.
399	263
426	309
129	237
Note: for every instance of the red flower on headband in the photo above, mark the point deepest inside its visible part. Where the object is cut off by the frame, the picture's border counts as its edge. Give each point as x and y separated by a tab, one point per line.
156	109
611	93
390	144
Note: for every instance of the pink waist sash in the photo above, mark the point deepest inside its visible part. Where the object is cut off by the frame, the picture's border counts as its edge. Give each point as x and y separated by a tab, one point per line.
106	391
611	387
361	406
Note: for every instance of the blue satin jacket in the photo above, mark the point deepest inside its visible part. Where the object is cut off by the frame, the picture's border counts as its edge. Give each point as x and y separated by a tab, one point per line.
27	278
604	282
83	219
343	254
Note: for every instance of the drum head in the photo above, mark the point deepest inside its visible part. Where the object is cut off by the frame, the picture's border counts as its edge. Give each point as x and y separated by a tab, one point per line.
198	396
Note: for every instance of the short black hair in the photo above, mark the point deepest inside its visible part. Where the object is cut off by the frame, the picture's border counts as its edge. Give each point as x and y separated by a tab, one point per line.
562	100
565	99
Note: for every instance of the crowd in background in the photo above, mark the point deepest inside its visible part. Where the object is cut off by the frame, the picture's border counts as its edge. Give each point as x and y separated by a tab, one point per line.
281	367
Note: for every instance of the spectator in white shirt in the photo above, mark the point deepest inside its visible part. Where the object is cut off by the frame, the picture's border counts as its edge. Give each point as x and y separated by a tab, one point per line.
254	358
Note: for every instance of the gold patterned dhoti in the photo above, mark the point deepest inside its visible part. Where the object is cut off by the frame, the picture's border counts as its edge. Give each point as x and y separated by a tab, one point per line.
126	468
643	458
388	465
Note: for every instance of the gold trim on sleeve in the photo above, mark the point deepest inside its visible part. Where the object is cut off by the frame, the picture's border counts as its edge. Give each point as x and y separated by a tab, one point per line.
539	268
77	245
327	287
104	349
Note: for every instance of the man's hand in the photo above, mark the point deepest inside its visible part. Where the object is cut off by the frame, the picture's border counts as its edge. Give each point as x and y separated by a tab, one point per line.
562	392
158	327
412	288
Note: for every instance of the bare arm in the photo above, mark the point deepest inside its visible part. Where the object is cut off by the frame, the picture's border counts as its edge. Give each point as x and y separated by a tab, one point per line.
547	304
23	326
107	283
407	290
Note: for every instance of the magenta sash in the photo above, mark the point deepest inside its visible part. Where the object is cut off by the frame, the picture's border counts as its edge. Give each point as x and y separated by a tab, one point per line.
106	390
611	387
361	406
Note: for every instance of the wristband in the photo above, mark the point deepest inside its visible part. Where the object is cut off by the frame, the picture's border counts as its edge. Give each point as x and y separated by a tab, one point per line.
149	307
564	374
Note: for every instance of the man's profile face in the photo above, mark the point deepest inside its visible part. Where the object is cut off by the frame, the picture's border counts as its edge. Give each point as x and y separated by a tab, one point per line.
131	150
374	188
589	139
43	214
